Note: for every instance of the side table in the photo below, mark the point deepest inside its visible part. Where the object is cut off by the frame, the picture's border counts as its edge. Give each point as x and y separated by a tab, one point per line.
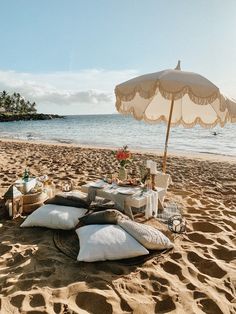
32	201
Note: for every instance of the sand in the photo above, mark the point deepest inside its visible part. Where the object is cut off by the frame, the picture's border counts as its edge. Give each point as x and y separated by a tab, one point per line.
197	276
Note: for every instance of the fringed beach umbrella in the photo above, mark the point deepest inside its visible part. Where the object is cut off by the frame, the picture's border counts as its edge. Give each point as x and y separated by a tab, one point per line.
175	97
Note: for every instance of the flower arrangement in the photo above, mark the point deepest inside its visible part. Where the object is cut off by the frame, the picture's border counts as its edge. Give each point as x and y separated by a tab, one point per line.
123	155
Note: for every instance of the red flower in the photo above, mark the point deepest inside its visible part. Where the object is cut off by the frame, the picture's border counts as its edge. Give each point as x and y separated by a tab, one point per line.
123	156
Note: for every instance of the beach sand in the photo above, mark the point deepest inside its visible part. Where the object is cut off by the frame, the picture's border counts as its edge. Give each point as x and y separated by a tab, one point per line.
197	276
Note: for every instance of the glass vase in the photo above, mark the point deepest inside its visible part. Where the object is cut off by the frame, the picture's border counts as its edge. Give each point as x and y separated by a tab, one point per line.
122	175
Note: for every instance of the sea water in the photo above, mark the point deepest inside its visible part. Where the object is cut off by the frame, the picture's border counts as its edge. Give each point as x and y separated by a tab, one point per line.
118	130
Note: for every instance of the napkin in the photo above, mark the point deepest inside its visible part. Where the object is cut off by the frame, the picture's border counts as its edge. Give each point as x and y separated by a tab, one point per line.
151	204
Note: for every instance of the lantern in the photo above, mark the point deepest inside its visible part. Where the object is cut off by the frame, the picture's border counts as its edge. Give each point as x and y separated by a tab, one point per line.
177	224
13	202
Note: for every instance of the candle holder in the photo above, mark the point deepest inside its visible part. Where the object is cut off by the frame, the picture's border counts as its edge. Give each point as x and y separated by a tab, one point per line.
13	202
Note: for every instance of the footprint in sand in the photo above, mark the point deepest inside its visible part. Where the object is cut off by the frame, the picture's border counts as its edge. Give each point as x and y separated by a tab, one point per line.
173	269
17	300
165	305
221	252
83	301
5	248
16	259
37	300
198	295
205	266
199	238
175	256
210	304
190	286
206	227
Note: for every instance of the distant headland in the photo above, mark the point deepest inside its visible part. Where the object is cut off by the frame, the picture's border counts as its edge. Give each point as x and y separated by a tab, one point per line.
15	108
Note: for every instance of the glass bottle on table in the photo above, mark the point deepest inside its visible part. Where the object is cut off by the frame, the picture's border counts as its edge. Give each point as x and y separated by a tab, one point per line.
50	188
53	187
25	175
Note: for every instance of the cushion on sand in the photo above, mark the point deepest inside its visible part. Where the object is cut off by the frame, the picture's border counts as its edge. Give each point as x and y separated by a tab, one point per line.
67	200
107	242
109	216
63	239
55	217
150	237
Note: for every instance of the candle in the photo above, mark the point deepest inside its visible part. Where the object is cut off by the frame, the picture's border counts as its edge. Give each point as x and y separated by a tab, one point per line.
148	163
153	167
176	225
10	209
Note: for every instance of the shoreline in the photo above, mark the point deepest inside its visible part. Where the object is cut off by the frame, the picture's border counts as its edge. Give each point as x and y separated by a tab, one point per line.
184	154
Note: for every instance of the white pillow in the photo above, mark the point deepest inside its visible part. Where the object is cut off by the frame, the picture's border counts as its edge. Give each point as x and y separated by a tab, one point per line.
148	236
107	242
55	217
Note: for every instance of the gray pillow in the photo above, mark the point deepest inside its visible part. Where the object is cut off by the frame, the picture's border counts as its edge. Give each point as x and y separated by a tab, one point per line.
67	200
150	237
109	216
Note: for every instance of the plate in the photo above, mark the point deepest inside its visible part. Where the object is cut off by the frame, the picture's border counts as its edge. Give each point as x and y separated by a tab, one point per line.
128	184
98	184
125	191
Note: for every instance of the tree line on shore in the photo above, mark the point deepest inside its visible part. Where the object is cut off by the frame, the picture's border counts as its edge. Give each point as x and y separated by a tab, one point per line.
16	104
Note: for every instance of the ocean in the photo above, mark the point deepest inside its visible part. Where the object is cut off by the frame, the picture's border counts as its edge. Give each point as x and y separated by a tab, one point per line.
118	130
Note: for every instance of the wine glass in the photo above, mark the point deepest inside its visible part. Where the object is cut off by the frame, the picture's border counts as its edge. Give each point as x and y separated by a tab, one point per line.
114	180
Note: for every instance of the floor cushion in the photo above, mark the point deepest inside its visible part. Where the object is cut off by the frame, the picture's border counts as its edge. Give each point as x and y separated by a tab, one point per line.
109	216
107	242
55	217
150	237
68	200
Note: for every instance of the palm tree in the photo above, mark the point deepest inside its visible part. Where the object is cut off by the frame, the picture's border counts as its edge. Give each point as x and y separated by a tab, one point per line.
33	107
4	94
8	104
18	98
23	107
16	103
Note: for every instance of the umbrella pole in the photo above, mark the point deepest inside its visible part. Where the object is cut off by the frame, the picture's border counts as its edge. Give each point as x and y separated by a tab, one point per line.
167	136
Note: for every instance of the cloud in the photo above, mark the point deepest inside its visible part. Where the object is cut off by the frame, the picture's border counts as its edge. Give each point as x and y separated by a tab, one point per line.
67	92
69	97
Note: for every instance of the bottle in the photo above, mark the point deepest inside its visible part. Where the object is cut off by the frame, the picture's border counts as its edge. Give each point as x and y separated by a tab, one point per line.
50	188
53	188
26	175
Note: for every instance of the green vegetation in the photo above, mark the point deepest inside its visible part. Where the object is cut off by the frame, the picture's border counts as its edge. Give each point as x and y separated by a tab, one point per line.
16	104
15	108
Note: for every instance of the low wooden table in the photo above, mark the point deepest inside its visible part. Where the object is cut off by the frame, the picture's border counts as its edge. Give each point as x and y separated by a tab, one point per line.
136	200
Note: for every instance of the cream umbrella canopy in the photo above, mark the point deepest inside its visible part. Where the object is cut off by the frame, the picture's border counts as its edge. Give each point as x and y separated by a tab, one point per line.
175	97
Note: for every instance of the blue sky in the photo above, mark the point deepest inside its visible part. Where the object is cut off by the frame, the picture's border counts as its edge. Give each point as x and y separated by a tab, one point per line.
68	55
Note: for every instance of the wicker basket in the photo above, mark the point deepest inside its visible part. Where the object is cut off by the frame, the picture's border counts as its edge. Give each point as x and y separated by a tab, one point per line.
34	198
33	201
29	208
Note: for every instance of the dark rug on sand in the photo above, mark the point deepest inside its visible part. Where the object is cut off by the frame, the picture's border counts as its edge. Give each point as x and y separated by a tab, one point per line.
68	243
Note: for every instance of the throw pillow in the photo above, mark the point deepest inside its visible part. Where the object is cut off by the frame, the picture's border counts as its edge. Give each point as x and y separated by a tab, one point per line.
67	200
109	216
150	237
107	242
55	217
